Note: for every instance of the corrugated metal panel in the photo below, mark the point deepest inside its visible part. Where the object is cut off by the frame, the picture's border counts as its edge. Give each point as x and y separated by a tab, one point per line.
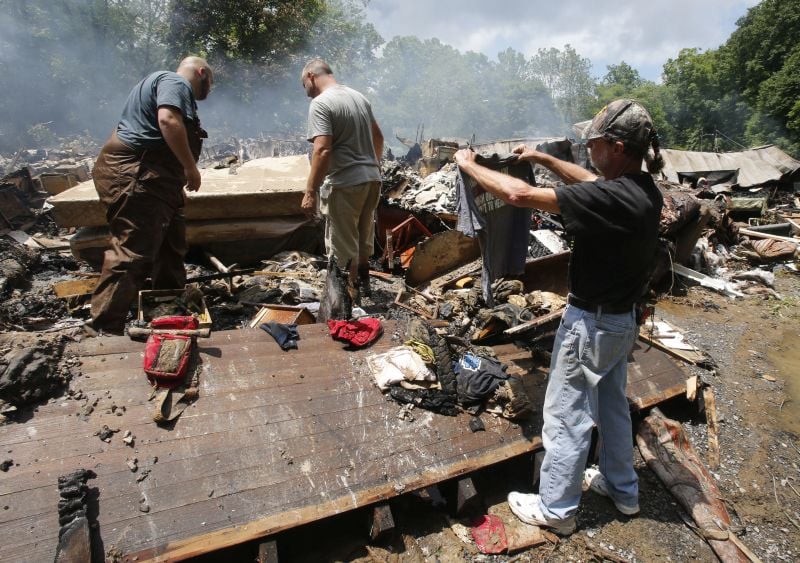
756	166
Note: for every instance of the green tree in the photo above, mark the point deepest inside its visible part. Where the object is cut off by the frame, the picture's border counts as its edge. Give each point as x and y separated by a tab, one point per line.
623	75
568	77
474	96
257	49
764	66
523	105
246	31
62	64
744	93
705	110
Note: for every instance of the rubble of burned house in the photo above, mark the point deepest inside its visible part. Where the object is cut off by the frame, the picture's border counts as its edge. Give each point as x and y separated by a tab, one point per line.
728	223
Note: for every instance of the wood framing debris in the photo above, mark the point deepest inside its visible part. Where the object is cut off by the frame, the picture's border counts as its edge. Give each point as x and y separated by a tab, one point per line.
713	430
75	288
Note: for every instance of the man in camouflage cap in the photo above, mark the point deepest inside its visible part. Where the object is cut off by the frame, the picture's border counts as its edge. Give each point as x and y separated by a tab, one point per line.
626	121
613	220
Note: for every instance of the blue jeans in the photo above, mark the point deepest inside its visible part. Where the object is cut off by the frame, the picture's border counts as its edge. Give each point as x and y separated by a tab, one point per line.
588	375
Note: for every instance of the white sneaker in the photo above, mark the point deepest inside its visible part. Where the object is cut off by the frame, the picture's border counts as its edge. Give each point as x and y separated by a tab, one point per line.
594	480
527	508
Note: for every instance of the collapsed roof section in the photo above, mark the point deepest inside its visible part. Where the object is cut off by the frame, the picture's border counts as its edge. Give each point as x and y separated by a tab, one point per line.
756	166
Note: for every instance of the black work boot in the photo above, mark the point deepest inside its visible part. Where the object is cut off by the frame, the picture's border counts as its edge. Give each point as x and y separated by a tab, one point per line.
363	280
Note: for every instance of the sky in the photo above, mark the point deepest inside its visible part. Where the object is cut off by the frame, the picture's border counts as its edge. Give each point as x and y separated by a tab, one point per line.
644	34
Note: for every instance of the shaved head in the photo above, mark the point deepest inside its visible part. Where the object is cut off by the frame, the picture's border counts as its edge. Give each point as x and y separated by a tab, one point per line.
316	76
193	63
199	74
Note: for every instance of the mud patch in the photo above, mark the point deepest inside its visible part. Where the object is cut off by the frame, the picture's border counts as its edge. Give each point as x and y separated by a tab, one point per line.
15	261
786	358
33	368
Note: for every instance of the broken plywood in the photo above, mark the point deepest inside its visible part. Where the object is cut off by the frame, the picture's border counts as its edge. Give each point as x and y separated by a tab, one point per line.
277	439
265	187
302	436
439	254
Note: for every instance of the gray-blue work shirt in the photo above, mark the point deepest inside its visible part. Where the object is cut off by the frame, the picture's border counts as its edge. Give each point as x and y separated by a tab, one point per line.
138	128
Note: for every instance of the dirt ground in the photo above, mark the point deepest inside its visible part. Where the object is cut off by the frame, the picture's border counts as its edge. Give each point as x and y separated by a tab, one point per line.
755	343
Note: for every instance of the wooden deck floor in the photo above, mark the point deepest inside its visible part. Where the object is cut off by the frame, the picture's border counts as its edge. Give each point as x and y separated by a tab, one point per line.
277	439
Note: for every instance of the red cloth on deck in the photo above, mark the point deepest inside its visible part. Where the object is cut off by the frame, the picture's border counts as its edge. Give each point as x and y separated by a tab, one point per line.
356	333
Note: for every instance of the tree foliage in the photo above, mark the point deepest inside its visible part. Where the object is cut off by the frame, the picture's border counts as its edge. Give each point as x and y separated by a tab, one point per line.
747	92
568	77
69	64
474	96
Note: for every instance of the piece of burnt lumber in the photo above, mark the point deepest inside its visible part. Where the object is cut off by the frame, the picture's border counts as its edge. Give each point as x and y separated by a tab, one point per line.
268	552
713	429
382	522
74	537
669	454
467	498
534	323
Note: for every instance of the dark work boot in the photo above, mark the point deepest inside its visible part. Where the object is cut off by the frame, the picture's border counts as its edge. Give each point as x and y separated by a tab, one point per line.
354	292
363	280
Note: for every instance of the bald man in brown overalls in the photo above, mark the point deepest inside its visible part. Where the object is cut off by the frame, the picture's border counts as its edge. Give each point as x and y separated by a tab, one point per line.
140	176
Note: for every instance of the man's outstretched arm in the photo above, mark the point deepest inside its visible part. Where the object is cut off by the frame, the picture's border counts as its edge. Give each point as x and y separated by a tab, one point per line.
569	172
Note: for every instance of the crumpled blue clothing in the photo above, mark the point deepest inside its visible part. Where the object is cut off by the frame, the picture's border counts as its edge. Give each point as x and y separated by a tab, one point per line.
477	377
284	334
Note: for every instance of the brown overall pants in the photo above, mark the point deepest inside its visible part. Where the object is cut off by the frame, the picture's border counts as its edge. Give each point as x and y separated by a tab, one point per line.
143	194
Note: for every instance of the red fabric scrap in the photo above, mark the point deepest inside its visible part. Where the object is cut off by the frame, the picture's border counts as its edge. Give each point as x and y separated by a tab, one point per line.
177	322
356	333
490	534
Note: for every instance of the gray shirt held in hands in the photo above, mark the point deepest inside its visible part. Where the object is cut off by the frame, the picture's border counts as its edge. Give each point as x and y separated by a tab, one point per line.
345	115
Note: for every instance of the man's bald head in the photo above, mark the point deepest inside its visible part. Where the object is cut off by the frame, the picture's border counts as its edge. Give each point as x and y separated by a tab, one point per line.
193	63
199	74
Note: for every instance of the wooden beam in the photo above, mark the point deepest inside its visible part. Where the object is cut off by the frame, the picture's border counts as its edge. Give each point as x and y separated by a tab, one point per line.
467	498
382	523
534	323
268	552
757	234
713	428
298	275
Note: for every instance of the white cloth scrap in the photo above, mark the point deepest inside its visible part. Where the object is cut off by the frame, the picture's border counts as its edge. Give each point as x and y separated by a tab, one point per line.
398	364
671	338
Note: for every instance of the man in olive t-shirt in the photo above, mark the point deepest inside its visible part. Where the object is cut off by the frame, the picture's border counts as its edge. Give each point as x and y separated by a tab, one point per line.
348	145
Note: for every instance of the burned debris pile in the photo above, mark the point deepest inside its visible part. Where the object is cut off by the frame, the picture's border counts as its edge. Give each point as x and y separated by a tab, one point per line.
451	301
424	267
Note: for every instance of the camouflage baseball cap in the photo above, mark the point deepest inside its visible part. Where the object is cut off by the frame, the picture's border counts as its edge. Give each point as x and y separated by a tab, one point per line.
623	120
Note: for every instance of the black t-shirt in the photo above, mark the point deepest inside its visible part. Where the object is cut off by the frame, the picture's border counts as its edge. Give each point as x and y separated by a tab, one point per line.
615	228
